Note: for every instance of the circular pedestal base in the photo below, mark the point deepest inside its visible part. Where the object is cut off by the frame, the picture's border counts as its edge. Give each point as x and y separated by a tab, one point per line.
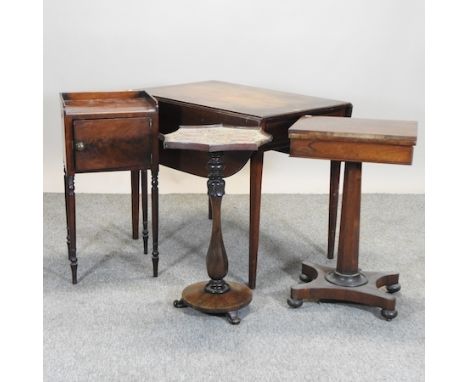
346	280
237	297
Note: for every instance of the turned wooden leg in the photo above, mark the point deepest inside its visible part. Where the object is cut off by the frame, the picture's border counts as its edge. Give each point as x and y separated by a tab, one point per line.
335	167
144	207
135	202
71	224
155	219
210	212
216	258
256	167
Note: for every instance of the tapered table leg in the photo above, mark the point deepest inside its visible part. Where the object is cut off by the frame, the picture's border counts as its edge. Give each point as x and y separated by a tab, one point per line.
335	169
256	168
144	208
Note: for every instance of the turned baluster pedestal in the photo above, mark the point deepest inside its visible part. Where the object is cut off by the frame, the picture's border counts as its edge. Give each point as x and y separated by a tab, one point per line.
216	296
353	141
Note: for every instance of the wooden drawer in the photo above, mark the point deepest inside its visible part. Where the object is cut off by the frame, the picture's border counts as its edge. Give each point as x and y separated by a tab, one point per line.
112	144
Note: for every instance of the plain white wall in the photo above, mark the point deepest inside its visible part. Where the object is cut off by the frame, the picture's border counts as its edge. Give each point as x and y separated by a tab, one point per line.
368	52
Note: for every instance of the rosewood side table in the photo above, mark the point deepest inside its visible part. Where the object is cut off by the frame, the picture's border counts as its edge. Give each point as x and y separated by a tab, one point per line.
112	131
216	296
214	102
353	141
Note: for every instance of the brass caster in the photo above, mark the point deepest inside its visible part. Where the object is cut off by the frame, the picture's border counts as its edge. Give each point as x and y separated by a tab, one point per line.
294	303
389	314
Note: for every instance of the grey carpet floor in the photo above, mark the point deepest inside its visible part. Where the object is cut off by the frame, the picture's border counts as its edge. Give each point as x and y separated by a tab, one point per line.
118	322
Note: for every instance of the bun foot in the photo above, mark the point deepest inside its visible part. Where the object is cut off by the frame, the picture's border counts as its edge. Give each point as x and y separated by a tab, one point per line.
180	303
233	318
393	288
389	314
305	278
294	303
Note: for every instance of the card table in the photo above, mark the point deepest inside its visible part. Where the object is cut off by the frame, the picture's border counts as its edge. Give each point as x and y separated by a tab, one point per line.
353	141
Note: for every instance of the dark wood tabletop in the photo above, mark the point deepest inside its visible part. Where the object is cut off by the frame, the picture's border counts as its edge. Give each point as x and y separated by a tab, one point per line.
248	100
213	102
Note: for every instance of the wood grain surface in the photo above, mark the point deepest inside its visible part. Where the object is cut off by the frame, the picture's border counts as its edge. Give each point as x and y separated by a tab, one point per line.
355	130
242	99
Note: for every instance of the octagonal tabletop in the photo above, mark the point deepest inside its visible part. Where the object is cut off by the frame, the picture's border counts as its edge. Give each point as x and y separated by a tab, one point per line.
216	138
